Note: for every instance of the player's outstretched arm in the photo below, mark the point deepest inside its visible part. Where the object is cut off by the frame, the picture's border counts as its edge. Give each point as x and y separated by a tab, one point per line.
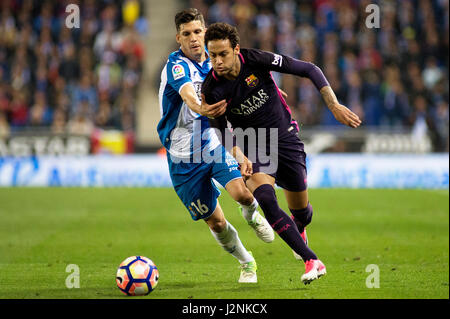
340	112
190	97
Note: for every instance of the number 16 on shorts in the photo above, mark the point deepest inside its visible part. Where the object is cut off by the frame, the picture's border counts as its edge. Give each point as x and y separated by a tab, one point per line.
199	207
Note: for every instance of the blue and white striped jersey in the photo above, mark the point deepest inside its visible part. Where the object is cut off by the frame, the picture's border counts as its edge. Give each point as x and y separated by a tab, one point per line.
183	132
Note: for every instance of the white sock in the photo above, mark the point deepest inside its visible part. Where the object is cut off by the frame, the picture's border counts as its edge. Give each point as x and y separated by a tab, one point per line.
230	242
248	211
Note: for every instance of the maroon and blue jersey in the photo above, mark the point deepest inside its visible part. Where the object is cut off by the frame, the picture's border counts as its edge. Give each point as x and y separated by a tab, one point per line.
254	101
253	98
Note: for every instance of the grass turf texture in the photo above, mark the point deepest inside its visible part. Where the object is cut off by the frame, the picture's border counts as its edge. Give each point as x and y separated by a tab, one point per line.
42	230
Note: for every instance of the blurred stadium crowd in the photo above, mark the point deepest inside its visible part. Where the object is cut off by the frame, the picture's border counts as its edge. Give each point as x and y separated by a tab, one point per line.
69	80
73	80
395	76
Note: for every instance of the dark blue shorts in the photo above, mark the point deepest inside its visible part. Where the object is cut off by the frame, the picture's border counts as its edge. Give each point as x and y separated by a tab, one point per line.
287	162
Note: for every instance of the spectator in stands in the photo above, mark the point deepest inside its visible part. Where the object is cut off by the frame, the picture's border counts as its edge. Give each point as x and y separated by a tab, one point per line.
59	122
40	112
69	68
108	75
131	74
107	38
220	11
46	68
4	125
103	117
80	125
84	93
18	110
4	99
130	45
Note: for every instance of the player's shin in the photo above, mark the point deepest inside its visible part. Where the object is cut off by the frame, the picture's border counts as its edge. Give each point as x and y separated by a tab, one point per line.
229	240
249	210
281	222
303	216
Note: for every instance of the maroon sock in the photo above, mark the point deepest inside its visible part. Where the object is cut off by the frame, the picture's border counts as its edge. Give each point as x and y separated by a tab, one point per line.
302	217
281	222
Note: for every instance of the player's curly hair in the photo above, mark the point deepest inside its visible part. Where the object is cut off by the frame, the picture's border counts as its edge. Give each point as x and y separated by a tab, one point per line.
187	16
222	31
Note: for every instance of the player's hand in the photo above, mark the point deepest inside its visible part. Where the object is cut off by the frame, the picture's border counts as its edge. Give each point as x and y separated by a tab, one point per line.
214	110
246	168
345	115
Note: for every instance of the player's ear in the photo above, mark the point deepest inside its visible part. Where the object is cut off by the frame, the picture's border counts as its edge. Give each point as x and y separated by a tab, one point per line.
237	49
177	38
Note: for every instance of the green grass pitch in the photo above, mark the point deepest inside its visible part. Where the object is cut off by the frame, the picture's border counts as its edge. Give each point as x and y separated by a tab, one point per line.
42	230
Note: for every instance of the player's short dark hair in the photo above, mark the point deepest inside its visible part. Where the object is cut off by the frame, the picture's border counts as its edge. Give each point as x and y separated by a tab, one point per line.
187	16
222	31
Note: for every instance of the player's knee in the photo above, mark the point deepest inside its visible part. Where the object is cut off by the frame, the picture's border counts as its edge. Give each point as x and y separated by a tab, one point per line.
266	197
242	195
245	197
217	225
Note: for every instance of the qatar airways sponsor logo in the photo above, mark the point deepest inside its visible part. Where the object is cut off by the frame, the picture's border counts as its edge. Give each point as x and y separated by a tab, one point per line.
251	104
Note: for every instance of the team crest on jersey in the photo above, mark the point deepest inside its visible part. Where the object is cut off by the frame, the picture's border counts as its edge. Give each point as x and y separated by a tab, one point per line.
177	71
252	81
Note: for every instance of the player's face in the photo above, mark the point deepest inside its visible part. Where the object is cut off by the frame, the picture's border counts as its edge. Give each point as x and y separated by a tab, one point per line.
191	38
224	58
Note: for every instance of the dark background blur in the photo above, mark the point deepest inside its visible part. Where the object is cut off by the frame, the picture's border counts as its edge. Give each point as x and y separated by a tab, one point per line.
60	81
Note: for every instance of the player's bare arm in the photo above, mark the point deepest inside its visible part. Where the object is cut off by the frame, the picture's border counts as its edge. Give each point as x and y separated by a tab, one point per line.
191	99
244	162
343	114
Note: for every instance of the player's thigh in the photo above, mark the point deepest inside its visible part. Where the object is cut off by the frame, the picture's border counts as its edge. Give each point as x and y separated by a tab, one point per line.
292	174
199	195
296	200
258	179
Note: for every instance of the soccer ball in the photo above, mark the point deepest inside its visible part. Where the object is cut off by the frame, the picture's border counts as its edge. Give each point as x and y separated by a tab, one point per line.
137	276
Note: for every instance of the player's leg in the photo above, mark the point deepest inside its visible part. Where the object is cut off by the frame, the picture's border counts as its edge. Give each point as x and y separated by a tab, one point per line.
227	173
262	186
291	176
293	179
227	237
240	193
301	211
199	194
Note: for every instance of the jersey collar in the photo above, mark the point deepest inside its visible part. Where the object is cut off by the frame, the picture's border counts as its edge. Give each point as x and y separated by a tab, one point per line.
201	64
